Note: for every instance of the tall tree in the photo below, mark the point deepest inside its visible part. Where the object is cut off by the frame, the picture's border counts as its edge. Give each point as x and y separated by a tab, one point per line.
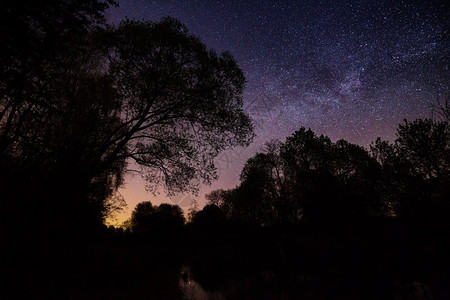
40	41
142	91
330	180
416	167
181	103
163	222
142	217
306	178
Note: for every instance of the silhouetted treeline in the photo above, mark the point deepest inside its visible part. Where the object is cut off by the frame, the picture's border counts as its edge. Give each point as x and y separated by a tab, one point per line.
374	257
80	99
308	179
310	183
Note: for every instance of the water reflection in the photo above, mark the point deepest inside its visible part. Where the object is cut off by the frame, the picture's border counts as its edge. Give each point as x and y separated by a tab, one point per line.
193	290
270	284
262	284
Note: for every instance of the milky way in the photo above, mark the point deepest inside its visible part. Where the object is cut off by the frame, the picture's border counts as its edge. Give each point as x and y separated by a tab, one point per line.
346	69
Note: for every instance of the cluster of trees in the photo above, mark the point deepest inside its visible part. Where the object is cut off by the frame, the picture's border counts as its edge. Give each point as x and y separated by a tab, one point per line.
162	222
166	224
308	178
80	100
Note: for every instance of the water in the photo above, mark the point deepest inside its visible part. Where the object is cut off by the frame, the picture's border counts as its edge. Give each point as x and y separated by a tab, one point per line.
194	290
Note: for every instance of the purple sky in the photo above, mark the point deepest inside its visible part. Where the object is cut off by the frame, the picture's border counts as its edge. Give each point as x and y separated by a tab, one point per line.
346	69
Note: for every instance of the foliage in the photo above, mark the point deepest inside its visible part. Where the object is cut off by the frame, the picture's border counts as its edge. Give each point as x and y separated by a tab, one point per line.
79	100
54	105
211	217
416	167
308	178
162	222
141	217
182	104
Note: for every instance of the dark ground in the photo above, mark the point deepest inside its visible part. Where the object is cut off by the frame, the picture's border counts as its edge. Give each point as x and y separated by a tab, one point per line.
391	260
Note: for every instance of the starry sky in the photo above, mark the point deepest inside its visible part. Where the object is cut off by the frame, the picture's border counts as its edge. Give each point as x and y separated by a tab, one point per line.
346	69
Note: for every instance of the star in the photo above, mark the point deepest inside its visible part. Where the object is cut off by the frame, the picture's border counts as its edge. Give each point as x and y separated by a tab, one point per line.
346	69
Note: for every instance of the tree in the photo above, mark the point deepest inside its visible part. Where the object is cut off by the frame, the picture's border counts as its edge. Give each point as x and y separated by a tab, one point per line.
211	218
441	108
330	181
169	221
193	209
142	91
359	173
225	200
40	41
142	217
425	144
261	197
46	74
306	178
416	167
306	162
163	222
263	190
181	104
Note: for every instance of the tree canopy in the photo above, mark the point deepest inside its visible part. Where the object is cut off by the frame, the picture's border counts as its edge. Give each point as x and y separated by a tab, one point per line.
416	167
163	222
309	178
80	99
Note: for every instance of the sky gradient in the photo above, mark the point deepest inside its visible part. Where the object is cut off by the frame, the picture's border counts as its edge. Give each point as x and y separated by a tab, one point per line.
347	69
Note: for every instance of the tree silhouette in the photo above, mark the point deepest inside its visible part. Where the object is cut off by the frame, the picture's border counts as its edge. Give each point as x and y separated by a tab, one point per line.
52	100
169	222
224	199
161	223
307	178
263	189
142	217
210	219
335	180
72	117
181	104
416	168
40	42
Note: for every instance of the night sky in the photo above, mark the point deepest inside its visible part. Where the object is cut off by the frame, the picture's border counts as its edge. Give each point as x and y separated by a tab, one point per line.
346	69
